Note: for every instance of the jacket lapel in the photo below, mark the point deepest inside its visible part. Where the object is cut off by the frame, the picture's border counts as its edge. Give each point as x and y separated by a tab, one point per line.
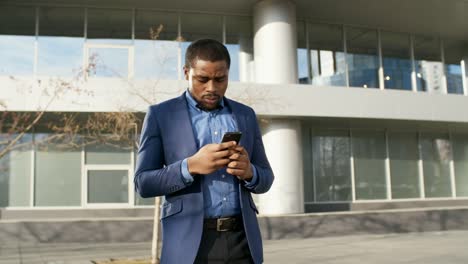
240	119
184	131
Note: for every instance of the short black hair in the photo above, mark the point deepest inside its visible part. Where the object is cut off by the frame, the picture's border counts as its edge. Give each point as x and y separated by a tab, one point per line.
207	49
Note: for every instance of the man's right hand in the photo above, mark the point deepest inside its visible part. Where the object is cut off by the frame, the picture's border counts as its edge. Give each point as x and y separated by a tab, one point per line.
210	158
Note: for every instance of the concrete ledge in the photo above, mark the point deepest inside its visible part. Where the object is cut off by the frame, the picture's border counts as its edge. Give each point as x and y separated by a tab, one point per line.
73	213
384	205
139	229
355	223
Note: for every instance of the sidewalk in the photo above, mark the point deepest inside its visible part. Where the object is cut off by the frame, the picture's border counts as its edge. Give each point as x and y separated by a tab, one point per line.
428	248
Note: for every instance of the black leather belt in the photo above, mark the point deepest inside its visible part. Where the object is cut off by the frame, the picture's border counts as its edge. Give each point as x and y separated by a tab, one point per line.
223	224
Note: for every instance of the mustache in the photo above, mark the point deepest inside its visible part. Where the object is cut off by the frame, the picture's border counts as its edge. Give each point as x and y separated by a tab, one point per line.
211	95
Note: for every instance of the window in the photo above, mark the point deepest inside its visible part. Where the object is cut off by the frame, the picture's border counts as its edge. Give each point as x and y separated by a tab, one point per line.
369	152
453	54
429	68
396	59
436	154
362	57
460	158
156	48
57	171
403	151
328	62
17	37
15	172
331	159
60	42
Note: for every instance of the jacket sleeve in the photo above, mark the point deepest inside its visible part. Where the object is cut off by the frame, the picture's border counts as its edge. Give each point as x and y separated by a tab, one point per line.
152	176
259	160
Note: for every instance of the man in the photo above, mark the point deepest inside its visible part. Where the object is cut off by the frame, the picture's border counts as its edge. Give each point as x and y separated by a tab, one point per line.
208	215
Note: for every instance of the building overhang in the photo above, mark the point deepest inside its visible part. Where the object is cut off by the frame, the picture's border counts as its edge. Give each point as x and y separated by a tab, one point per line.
269	100
447	19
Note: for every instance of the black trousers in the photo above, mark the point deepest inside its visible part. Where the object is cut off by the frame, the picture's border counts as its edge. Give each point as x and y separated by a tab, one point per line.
223	247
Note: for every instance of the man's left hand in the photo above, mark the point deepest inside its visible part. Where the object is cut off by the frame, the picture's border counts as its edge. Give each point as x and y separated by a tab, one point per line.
240	164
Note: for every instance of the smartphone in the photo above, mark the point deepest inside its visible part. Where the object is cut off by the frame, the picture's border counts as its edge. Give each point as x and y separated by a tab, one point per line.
232	136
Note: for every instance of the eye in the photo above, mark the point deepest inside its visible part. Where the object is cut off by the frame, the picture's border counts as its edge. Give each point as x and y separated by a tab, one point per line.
220	79
203	79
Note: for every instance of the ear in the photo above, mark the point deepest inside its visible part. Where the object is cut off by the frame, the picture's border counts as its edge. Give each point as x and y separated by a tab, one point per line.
186	72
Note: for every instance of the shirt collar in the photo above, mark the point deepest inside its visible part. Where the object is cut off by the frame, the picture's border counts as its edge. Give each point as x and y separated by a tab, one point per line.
194	104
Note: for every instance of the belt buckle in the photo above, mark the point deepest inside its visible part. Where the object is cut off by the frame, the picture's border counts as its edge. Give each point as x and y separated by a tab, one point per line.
219	223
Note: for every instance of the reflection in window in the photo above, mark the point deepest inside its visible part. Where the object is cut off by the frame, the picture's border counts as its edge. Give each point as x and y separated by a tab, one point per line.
453	54
110	26
369	150
330	150
328	62
436	155
198	26
105	154
107	186
396	61
156	49
302	66
460	158
362	57
403	151
17	31
15	172
233	50
143	201
61	40
60	56
109	61
17	53
429	68
156	59
57	171
239	39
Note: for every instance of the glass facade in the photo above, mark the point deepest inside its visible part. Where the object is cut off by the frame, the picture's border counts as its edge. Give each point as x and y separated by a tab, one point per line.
17	41
331	151
156	48
436	156
429	67
392	165
15	171
150	44
362	57
57	172
396	58
460	159
328	60
369	154
454	53
54	170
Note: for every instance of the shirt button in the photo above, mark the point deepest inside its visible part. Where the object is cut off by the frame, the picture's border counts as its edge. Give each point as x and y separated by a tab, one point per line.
223	176
216	133
224	199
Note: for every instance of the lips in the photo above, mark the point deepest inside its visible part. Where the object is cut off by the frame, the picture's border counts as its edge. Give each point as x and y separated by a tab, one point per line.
211	99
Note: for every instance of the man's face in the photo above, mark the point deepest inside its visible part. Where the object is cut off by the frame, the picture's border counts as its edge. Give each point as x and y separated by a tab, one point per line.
209	82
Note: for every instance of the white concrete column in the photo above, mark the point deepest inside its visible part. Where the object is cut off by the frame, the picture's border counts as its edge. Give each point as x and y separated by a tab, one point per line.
464	68
245	60
275	41
282	139
275	53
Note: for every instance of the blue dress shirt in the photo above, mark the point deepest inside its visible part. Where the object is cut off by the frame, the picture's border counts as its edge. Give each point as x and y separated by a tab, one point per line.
220	189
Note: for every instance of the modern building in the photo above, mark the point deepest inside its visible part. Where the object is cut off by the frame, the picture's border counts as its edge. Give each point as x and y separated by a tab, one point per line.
362	103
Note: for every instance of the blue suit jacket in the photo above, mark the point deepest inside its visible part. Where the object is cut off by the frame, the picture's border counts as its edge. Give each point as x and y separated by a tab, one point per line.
166	139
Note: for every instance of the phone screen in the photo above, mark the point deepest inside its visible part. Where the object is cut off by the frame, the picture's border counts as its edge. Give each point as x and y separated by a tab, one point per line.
232	136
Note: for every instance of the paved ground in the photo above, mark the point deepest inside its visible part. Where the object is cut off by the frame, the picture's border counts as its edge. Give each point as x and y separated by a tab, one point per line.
428	248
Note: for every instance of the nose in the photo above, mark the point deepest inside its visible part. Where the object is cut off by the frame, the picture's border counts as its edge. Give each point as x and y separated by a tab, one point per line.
210	86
